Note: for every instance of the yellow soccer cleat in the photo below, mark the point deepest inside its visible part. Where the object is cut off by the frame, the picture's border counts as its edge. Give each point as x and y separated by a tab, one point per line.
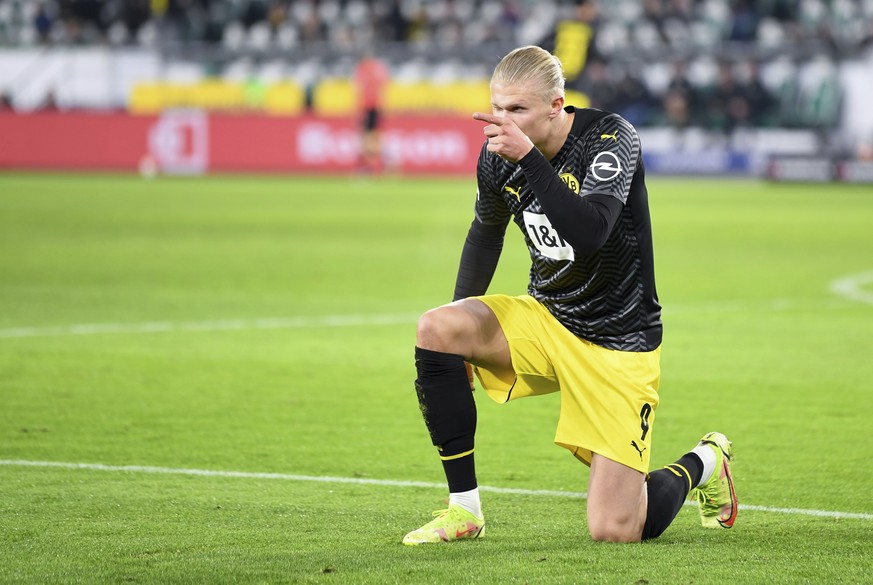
453	523
716	498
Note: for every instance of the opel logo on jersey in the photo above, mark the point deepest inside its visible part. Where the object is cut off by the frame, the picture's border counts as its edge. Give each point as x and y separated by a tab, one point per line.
606	166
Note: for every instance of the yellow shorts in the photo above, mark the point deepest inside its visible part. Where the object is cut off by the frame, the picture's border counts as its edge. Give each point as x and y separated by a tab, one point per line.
608	397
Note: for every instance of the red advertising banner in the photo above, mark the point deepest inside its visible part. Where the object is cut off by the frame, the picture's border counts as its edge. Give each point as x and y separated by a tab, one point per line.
192	142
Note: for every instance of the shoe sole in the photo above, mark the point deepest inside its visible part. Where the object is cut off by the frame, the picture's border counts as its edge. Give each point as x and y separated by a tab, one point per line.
479	534
729	522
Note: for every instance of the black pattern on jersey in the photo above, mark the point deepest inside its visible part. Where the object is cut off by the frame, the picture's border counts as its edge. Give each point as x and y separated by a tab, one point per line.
608	297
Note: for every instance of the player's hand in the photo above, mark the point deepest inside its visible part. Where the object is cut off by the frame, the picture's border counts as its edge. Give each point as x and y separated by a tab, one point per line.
505	138
470	375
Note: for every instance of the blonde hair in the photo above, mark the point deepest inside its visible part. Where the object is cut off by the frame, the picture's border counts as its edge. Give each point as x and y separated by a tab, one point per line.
531	64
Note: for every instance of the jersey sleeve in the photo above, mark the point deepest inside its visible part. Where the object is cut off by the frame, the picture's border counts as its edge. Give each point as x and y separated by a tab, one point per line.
613	147
491	209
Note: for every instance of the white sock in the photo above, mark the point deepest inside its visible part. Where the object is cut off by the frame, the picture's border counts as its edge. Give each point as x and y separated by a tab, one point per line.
707	456
468	501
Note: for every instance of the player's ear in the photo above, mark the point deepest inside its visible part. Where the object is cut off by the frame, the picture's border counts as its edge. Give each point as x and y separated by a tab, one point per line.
557	106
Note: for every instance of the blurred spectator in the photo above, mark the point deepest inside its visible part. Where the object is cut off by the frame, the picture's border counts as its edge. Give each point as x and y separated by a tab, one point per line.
599	88
419	29
212	31
510	18
684	97
277	16
313	29
682	10
653	11
394	26
573	42
255	11
728	105
43	23
634	101
83	21
135	14
761	102
450	32
784	10
676	112
679	80
744	21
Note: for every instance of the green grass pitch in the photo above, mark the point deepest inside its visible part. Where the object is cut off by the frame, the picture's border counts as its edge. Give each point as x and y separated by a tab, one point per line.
260	330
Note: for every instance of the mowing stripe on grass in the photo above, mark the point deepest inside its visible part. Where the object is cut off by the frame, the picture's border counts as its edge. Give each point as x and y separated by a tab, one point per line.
775	305
381	482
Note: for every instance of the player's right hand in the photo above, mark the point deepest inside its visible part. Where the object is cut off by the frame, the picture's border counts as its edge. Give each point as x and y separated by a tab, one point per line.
505	138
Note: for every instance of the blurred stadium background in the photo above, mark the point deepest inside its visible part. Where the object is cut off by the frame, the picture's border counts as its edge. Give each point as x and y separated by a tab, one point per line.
741	87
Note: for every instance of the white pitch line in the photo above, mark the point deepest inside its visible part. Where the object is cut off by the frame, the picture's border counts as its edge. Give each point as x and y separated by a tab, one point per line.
381	482
852	287
848	288
775	305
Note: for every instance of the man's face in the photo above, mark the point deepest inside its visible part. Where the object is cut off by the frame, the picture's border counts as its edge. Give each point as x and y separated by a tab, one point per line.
525	106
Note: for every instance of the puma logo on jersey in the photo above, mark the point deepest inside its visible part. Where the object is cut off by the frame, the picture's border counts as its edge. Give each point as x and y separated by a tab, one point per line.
513	191
614	136
635	446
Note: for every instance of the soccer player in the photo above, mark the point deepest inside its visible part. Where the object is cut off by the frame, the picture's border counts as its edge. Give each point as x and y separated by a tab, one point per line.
589	327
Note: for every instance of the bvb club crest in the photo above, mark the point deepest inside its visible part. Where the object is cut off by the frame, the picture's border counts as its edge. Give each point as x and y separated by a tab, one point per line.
571	182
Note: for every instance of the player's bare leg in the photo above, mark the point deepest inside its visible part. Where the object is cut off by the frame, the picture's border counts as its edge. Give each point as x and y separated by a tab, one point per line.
625	506
467	328
616	501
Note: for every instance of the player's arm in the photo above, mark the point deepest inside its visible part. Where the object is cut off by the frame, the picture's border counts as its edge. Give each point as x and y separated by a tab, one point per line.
586	220
484	241
583	222
479	259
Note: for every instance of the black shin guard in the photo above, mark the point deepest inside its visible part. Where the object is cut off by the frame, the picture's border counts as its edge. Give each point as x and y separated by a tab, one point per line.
667	489
449	412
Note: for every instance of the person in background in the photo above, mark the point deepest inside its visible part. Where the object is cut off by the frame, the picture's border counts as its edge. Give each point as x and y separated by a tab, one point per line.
572	42
600	89
371	79
761	102
728	106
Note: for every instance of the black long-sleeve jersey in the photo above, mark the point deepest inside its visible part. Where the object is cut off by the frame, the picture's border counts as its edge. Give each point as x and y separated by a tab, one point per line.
585	219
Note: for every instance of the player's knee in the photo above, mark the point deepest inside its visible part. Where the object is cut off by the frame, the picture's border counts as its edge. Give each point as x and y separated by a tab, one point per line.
613	530
440	329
